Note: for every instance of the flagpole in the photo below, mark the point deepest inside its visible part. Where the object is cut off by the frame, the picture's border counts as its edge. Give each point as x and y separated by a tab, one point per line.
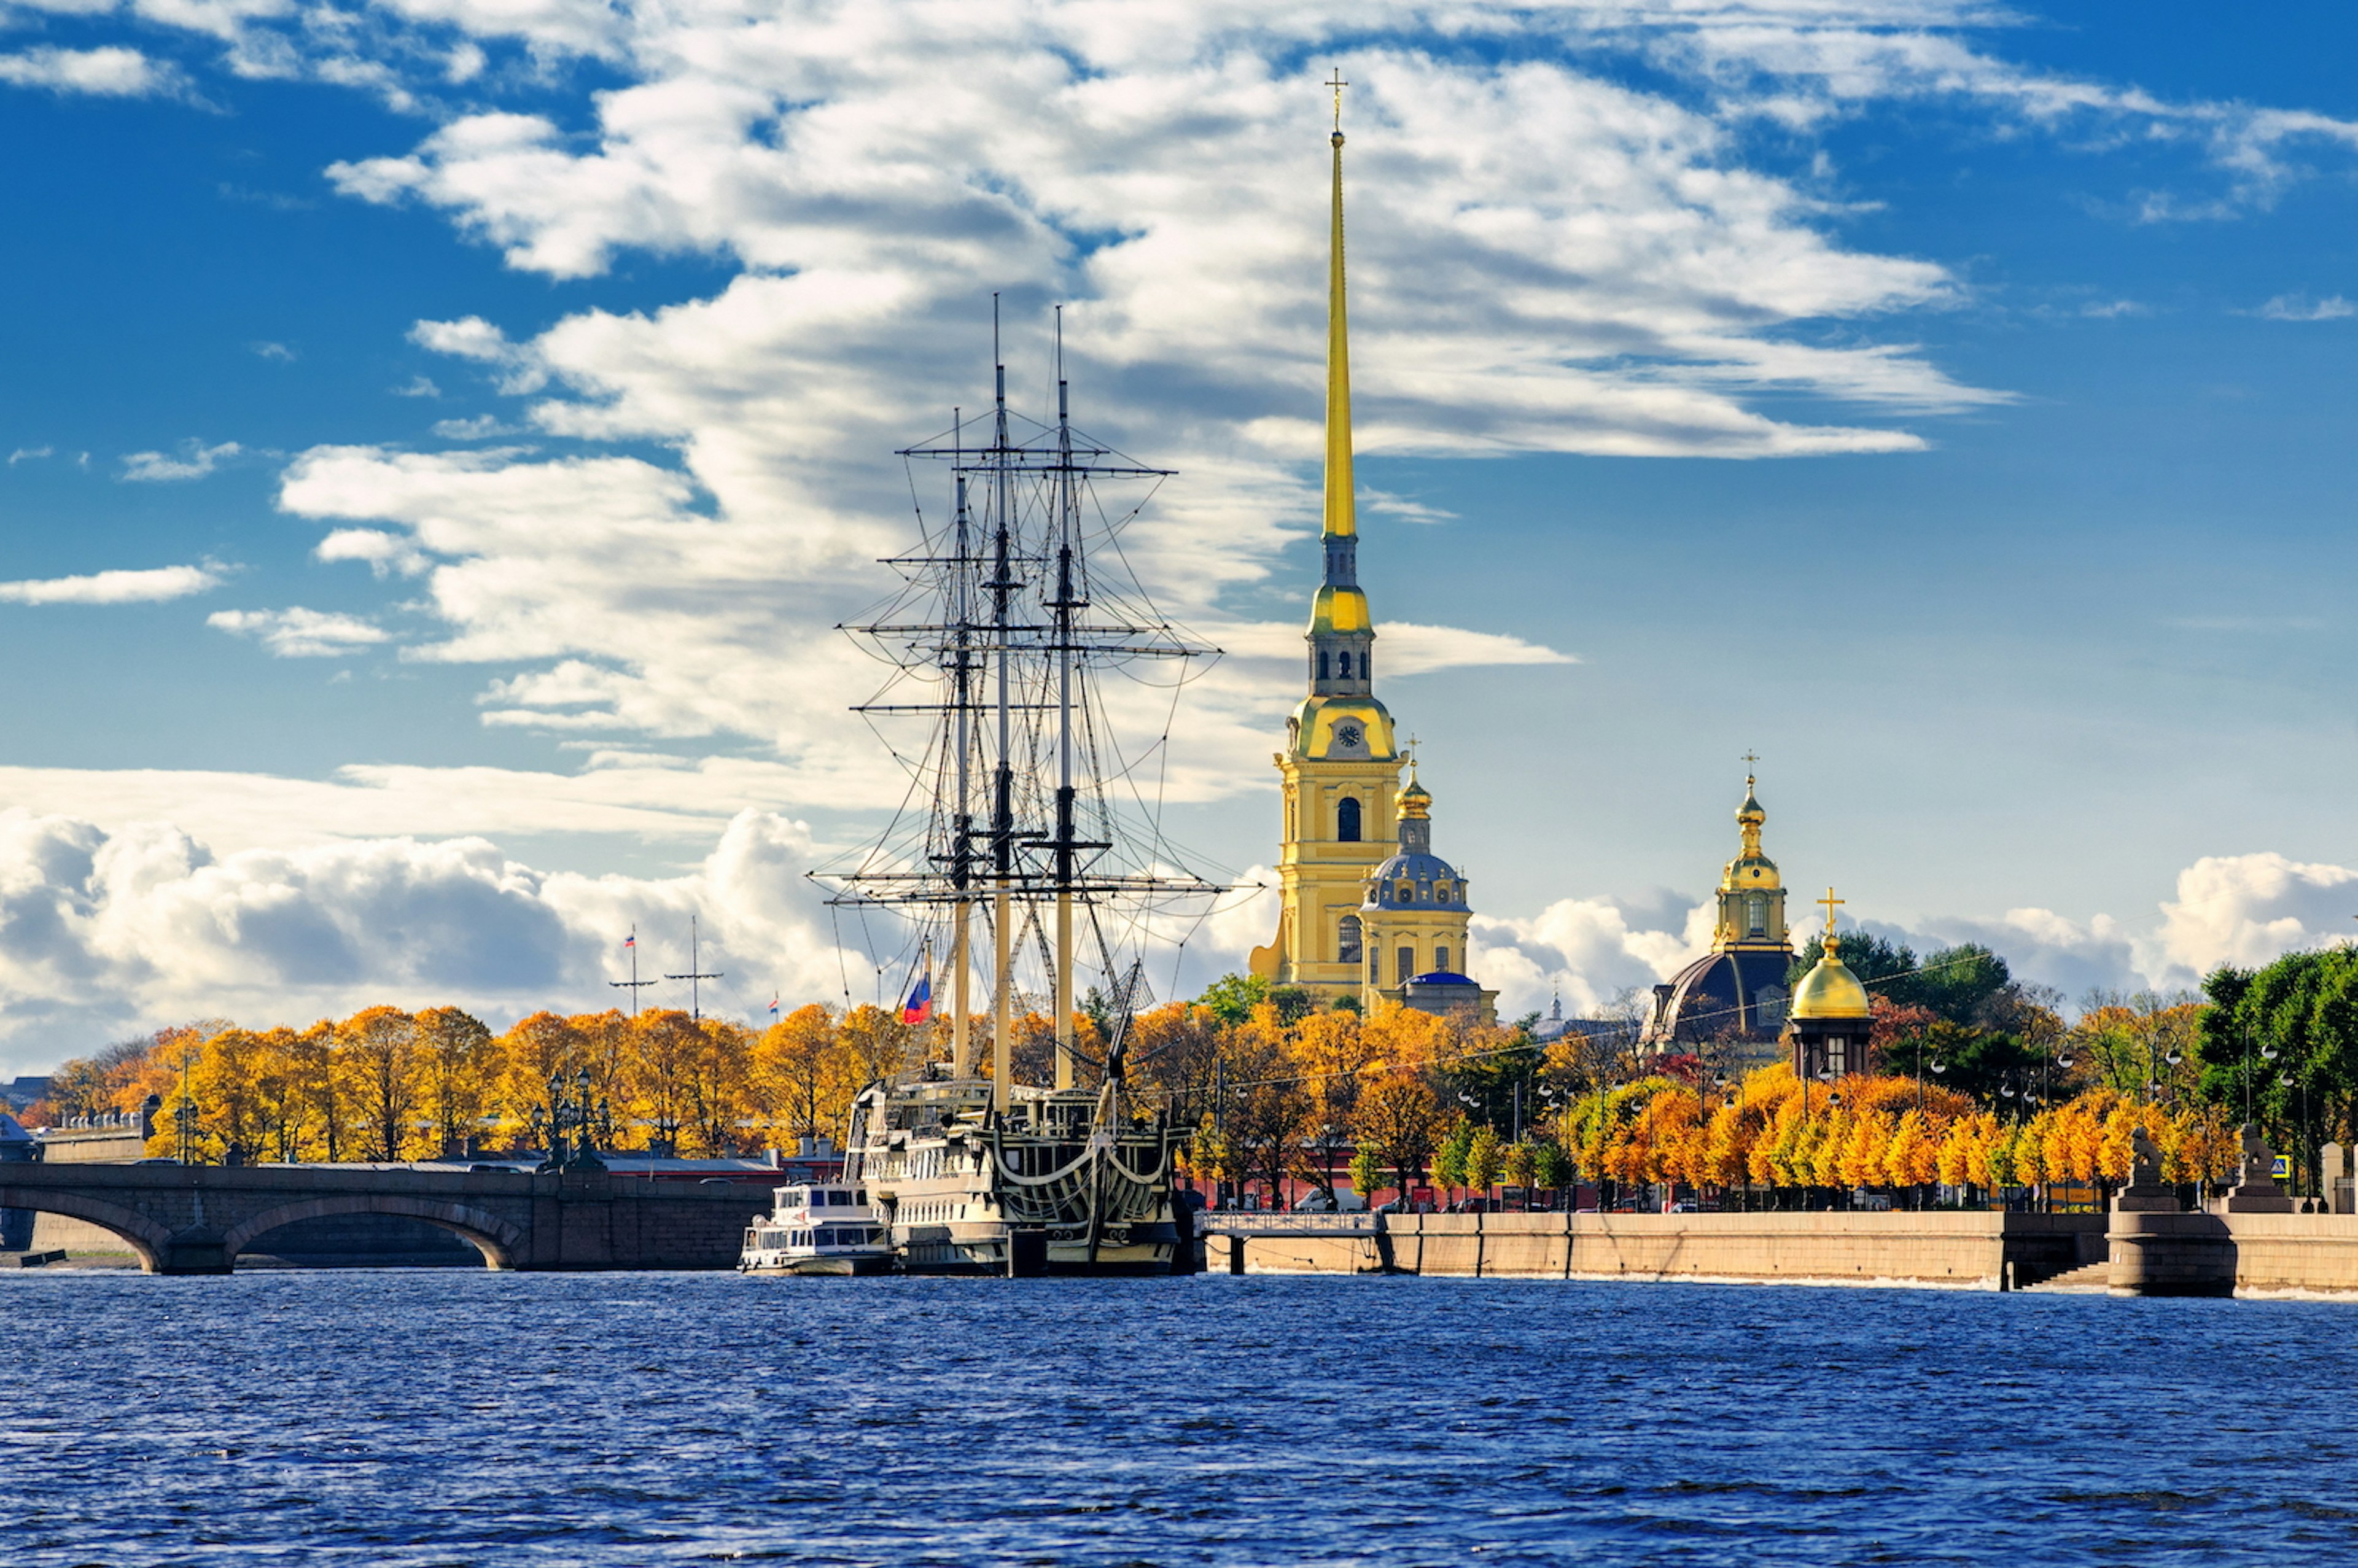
633	984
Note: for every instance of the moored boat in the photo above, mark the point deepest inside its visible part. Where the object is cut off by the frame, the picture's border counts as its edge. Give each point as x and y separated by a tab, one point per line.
819	1227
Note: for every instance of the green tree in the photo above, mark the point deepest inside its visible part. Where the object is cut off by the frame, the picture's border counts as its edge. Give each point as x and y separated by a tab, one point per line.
1550	1168
1482	1160
1367	1172
1449	1160
1232	997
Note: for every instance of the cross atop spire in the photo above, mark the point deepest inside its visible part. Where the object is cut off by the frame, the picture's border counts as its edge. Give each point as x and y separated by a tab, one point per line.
1337	83
1830	901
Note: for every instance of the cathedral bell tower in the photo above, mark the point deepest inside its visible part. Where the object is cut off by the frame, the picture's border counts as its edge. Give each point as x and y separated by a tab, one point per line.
1751	894
1341	764
1736	991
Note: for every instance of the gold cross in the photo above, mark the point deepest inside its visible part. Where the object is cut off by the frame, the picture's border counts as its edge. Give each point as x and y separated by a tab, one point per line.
1830	901
1749	759
1337	83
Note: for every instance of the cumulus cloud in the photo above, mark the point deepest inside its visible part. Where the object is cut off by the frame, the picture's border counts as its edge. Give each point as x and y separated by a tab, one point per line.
149	585
2248	909
481	428
109	932
2300	308
299	633
110	72
647	797
195	462
2245	910
384	553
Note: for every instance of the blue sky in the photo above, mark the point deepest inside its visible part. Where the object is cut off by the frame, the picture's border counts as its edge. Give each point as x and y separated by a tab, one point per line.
1948	402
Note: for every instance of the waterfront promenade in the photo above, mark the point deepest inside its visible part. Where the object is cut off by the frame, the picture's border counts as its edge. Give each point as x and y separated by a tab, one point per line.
2243	1254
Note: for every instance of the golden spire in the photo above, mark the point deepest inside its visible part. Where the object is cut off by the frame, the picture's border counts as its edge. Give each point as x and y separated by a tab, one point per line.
1342	518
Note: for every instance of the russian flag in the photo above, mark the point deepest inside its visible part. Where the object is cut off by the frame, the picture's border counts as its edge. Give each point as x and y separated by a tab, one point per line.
774	1006
631	940
920	1005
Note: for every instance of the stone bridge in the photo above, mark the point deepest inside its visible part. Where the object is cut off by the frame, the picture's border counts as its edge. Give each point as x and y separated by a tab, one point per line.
195	1220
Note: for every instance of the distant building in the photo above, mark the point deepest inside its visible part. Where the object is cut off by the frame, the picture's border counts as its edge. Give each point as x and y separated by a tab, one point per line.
1736	992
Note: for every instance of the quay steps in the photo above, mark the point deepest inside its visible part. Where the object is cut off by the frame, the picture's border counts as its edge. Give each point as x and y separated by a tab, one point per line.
2088	1279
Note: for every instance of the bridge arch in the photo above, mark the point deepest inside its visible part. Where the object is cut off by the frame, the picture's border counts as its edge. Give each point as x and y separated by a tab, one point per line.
147	1238
500	1241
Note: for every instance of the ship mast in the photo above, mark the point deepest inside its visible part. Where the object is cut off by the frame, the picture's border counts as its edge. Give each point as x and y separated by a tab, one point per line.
1005	628
1003	810
1062	605
962	824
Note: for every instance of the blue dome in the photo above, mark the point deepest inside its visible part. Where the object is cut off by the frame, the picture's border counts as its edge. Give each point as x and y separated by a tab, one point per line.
1442	977
1423	870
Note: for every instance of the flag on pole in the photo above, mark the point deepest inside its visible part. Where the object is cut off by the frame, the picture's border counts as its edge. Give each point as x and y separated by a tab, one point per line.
774	1005
631	940
919	1008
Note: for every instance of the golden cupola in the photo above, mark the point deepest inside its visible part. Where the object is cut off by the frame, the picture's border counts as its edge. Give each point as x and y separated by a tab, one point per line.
1830	991
1751	892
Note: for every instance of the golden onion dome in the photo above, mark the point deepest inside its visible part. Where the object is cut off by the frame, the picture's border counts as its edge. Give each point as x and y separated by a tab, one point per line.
1829	990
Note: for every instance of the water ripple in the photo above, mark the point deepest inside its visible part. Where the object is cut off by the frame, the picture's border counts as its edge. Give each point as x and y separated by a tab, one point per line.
432	1419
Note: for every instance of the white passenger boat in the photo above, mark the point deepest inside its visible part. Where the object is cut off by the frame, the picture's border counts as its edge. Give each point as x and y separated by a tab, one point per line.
817	1228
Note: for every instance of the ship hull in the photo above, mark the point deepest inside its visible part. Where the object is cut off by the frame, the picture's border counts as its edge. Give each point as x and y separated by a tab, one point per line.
968	1191
871	1263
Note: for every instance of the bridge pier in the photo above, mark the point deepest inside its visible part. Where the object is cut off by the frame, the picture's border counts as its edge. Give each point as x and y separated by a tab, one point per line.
192	1252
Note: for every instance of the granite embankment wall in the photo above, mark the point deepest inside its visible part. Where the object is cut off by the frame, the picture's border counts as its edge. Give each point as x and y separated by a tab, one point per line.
2268	1254
1956	1250
2295	1254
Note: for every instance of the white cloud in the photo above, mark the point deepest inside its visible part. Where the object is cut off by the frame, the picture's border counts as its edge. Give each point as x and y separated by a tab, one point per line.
481	428
2248	909
143	586
1385	503
27	454
299	633
384	553
110	72
419	386
196	461
646	797
115	931
278	351
2300	308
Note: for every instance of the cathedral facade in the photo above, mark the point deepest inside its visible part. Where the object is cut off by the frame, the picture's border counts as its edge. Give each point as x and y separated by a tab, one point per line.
1366	910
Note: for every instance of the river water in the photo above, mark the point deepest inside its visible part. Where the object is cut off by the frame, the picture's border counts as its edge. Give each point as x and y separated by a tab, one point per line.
445	1418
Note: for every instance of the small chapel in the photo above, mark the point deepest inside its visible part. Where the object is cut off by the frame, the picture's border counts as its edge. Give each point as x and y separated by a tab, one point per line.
1367	910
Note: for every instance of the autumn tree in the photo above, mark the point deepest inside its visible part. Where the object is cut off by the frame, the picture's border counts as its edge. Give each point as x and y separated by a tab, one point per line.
536	1049
1268	1104
716	1087
799	1074
459	1063
1399	1116
1332	1054
379	1047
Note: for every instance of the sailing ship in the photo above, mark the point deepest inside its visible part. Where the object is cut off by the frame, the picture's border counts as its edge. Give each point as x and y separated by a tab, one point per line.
1016	855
